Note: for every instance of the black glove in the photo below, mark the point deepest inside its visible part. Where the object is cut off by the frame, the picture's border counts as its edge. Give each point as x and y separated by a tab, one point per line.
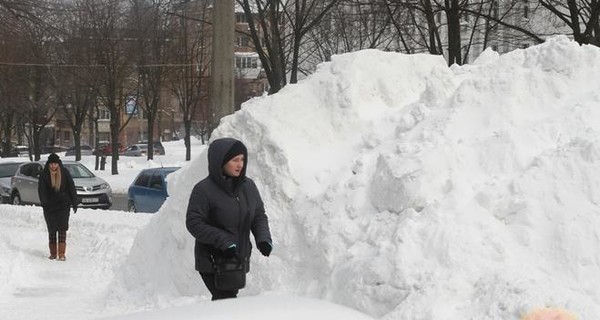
230	252
265	248
74	209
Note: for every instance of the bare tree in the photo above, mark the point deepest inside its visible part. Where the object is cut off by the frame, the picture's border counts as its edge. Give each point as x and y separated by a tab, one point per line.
191	61
348	26
150	29
303	16
110	40
267	25
40	105
75	91
580	16
11	90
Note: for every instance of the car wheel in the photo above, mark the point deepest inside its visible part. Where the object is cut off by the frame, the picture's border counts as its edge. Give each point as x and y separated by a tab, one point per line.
16	199
131	206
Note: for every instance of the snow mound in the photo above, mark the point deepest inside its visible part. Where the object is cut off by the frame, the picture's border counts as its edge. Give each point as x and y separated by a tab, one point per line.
264	308
409	190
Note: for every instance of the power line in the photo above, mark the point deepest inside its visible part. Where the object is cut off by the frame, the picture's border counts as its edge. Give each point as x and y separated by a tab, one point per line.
23	64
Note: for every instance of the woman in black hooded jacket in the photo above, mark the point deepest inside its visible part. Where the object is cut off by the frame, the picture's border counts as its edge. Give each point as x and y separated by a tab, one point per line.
223	208
57	193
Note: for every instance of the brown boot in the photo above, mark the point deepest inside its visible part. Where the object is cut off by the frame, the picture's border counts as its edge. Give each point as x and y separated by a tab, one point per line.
62	247
52	255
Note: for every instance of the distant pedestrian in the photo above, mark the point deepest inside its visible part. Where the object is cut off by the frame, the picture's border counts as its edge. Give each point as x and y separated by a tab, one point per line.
56	189
223	208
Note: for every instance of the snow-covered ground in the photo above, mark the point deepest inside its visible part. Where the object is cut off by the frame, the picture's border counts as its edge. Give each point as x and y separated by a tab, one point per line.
395	186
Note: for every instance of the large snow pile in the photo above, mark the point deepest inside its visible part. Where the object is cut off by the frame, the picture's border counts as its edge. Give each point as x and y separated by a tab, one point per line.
409	190
247	308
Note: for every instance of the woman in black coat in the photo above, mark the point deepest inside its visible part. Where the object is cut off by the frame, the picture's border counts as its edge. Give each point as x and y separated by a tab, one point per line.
223	208
56	189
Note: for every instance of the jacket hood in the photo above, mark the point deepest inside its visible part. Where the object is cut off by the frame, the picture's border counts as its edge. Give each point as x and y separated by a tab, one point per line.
216	153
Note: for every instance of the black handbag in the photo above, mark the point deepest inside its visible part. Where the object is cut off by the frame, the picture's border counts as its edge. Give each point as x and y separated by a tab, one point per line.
230	274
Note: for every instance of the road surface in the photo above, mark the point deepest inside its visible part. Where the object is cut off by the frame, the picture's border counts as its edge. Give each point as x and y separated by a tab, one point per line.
119	202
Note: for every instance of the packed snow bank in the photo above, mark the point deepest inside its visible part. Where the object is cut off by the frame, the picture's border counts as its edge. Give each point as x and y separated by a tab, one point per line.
33	287
409	190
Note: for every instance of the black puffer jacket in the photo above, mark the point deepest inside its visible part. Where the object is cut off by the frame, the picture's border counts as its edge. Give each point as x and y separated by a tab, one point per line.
218	206
57	204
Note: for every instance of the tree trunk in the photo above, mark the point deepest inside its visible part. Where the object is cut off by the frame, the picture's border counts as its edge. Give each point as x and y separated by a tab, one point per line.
150	129
36	142
7	130
454	42
431	27
187	123
114	140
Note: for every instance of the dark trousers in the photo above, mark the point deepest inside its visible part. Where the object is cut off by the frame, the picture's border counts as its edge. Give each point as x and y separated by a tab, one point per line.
62	236
209	282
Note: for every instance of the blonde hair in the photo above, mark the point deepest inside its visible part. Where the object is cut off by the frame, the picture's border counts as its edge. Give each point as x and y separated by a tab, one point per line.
549	314
55	179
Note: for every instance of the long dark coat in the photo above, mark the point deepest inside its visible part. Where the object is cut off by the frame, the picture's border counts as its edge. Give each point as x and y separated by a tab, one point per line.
57	204
217	207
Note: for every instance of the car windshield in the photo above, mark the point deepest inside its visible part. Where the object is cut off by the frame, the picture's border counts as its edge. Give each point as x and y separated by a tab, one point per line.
8	169
77	170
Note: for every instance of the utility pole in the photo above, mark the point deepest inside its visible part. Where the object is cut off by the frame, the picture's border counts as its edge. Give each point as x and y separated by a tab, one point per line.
221	98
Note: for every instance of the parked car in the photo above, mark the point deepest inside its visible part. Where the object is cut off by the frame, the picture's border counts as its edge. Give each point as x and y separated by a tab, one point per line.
159	148
22	151
7	170
106	149
136	150
157	145
85	151
54	148
92	191
149	190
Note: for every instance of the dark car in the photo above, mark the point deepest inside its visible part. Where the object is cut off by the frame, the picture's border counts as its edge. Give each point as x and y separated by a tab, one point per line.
85	151
22	151
158	148
149	190
92	191
53	148
7	170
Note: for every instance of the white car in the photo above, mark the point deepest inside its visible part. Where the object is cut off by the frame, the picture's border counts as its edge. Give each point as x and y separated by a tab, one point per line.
136	150
7	170
22	151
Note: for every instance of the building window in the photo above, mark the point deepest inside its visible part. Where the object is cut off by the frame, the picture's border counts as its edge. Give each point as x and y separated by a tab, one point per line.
240	17
525	46
495	9
66	136
242	41
246	62
495	47
103	114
